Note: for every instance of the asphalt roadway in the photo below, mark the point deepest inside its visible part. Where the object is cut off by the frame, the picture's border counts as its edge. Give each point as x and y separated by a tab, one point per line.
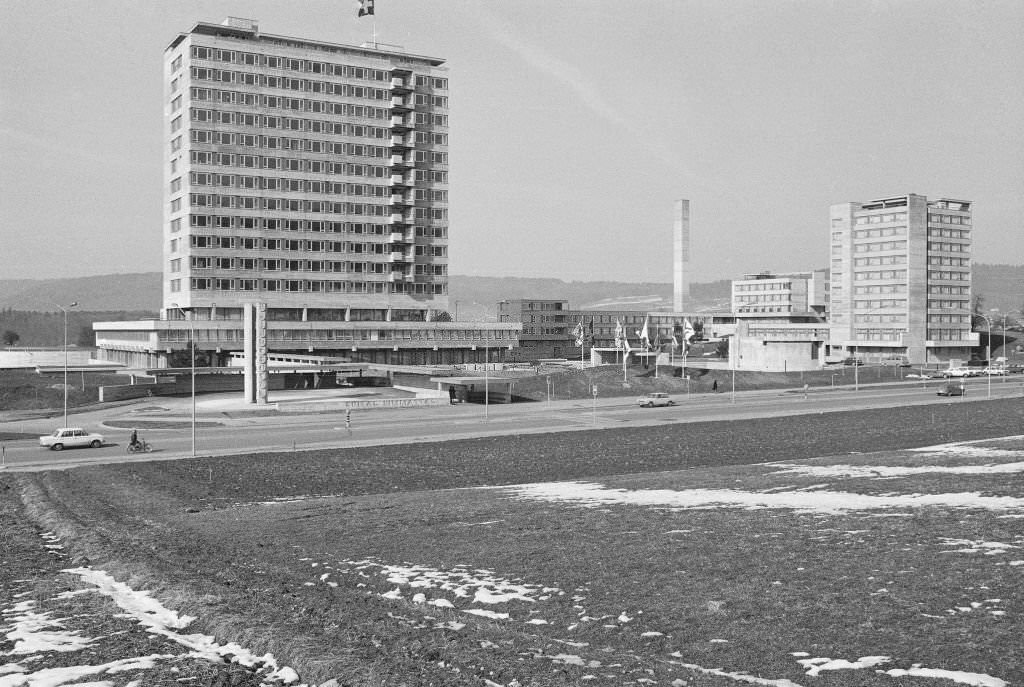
225	424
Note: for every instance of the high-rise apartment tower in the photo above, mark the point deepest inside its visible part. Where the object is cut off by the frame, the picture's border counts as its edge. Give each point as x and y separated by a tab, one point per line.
901	279
309	176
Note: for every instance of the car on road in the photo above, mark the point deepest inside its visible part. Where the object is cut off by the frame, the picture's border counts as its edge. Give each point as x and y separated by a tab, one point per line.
853	361
951	390
654	399
70	437
958	372
994	371
917	375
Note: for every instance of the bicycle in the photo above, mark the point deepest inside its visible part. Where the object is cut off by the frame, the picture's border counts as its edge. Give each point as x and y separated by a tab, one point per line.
140	446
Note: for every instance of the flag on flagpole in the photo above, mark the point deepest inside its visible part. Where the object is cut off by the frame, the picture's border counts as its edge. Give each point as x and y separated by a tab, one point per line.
365	7
645	337
578	332
675	341
687	331
619	333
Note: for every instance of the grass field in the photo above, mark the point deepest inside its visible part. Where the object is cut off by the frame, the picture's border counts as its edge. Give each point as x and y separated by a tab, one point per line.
666	556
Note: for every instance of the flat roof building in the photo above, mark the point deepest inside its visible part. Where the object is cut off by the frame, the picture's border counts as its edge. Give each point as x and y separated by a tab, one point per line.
901	279
310	176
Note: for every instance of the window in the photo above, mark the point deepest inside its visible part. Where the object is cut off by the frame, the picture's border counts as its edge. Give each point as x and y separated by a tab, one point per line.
176	185
176	205
176	124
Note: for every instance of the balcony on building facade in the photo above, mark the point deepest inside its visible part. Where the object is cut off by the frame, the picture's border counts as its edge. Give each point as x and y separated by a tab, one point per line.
400	122
399	103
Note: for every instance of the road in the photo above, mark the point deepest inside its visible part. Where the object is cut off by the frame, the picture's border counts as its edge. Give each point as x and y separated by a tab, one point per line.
222	432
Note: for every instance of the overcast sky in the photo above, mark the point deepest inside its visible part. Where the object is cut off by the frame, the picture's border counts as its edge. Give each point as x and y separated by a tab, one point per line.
574	125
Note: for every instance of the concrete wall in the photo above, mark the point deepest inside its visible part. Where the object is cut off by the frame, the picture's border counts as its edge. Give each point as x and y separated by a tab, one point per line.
46	357
776	356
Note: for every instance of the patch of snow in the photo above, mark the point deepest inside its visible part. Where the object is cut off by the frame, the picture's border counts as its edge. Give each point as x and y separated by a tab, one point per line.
816	665
485	613
652	634
536	621
735	676
890	471
590	494
964	678
34	633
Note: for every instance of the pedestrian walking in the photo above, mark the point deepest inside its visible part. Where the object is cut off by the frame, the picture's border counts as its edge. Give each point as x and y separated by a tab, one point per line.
348	421
714	386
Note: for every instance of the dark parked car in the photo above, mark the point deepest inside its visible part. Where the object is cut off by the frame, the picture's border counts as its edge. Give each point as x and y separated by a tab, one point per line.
853	361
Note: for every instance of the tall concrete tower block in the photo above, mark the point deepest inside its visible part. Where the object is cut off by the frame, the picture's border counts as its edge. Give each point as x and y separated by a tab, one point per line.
681	256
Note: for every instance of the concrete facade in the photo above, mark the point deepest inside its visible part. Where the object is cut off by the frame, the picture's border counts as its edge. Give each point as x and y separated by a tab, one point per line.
901	279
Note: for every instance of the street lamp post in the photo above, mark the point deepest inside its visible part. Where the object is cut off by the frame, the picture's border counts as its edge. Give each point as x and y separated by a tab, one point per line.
187	314
988	352
65	311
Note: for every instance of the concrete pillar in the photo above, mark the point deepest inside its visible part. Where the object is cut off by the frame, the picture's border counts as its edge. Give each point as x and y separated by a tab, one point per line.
255	346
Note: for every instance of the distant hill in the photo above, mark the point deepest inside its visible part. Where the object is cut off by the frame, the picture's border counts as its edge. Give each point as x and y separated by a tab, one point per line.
1001	287
105	292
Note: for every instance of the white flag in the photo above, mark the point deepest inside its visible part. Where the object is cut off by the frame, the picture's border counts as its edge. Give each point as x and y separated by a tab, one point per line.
645	338
688	331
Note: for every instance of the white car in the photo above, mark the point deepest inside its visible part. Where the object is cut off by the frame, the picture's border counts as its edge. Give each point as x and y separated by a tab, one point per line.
656	398
69	437
994	371
957	372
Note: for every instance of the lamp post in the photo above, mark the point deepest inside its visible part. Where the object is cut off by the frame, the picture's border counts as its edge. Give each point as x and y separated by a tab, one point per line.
64	309
187	314
988	351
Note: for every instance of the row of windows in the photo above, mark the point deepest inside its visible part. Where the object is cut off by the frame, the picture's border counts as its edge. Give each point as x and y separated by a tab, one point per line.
764	298
222	138
949	247
949	233
880	246
948	334
262	101
306	286
878	334
303	186
950	276
288	164
349	334
203	200
278	265
345	90
766	308
948	262
882	219
878	275
304	225
949	319
880	303
948	219
947	304
882	260
879	233
765	286
880	289
302	245
950	290
318	126
297	65
880	319
290	124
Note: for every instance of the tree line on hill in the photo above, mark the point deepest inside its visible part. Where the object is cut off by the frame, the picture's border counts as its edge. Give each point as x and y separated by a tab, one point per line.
40	329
